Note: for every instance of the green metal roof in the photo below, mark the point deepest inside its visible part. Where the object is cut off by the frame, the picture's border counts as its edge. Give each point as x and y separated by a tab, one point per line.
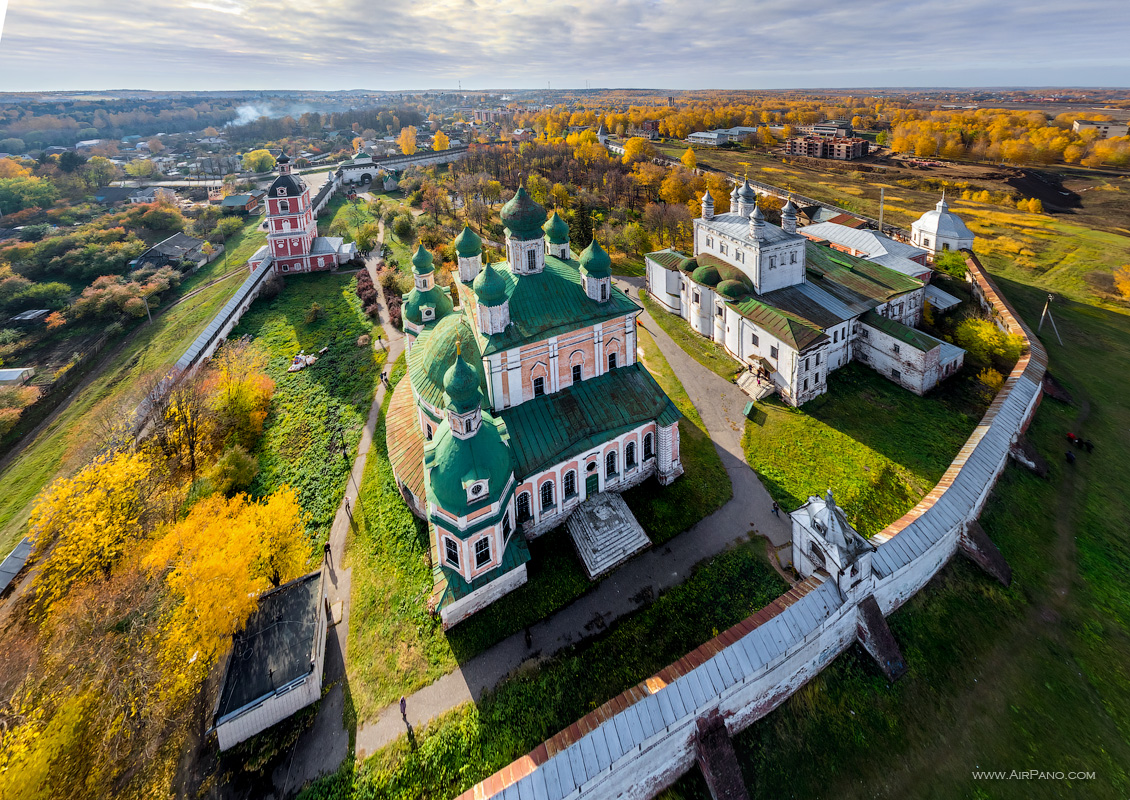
468	243
556	229
522	216
915	338
789	328
670	259
433	354
452	464
437	297
449	585
548	429
855	280
551	302
595	262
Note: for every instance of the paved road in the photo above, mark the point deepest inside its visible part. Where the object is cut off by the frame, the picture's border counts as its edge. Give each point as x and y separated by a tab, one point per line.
720	404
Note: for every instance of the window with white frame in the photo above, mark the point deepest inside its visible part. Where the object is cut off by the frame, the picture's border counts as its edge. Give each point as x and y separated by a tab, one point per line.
612	361
547	495
630	455
577	373
482	552
648	446
452	552
539	387
531	259
569	482
773	352
753	339
524	507
610	464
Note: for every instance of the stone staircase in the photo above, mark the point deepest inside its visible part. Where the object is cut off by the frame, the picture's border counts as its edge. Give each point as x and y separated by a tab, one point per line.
747	382
605	533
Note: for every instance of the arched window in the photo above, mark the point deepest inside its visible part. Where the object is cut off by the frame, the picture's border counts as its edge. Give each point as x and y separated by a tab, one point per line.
793	260
648	447
524	507
284	206
816	554
610	464
630	455
506	526
570	483
429	433
547	495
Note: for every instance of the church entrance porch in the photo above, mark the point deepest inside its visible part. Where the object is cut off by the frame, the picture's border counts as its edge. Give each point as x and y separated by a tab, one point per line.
605	533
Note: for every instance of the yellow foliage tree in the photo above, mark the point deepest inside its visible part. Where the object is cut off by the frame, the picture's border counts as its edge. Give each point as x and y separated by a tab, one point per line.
84	524
689	160
440	141
219	559
1122	281
638	149
239	391
407	140
257	161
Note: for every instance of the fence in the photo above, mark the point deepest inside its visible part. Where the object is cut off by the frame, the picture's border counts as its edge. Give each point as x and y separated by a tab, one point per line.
643	740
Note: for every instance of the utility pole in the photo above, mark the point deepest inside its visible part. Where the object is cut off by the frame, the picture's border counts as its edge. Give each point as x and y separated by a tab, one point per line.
1047	312
882	191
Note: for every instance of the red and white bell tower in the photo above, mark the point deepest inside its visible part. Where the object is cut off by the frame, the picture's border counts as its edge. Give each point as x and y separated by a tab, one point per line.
291	227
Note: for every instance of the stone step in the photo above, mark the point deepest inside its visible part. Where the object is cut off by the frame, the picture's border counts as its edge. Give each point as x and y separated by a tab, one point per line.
605	534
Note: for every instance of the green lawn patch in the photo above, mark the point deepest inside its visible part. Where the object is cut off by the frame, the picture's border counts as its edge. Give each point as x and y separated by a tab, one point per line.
238	249
879	447
468	744
300	446
712	356
351	214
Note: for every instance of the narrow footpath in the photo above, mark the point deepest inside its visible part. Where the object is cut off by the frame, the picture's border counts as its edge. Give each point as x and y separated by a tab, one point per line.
720	404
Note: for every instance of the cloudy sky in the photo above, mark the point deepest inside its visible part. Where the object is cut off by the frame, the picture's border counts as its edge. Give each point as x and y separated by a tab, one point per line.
682	44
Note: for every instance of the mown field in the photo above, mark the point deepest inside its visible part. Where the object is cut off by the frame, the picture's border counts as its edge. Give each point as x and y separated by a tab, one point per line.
73	437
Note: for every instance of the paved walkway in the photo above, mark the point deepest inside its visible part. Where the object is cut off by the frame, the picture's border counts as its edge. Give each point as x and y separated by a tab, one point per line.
720	404
322	748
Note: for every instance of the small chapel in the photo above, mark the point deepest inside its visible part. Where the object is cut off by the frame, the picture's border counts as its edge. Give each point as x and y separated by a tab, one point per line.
293	243
524	403
792	310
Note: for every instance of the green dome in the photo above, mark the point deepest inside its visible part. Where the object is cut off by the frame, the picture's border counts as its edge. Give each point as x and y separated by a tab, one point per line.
490	286
595	262
732	289
422	261
556	229
412	310
522	216
468	244
453	464
435	352
688	264
706	275
461	385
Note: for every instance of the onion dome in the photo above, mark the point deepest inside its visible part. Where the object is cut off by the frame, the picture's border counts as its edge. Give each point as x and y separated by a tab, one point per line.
732	289
707	275
556	229
461	385
757	215
790	207
283	158
490	287
468	244
422	261
522	216
747	193
707	197
595	262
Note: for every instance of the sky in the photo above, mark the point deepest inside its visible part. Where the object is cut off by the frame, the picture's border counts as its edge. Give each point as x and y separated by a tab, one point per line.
528	44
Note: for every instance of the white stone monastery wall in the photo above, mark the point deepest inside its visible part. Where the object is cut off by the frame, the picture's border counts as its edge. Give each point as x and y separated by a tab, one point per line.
643	740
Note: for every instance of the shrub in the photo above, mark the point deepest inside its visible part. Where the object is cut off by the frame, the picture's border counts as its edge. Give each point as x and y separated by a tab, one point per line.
987	345
314	313
235	471
271	288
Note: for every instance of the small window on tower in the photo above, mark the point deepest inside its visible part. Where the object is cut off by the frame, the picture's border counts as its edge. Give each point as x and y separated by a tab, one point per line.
612	361
531	260
576	373
604	291
539	387
793	260
482	552
284	206
452	553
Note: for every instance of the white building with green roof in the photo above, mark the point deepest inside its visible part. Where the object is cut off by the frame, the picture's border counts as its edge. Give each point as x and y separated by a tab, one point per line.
791	310
523	399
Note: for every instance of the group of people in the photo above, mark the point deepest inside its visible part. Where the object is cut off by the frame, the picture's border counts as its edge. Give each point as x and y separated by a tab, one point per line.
1080	444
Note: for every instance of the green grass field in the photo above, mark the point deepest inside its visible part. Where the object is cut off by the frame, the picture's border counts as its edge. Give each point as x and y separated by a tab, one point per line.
877	471
300	446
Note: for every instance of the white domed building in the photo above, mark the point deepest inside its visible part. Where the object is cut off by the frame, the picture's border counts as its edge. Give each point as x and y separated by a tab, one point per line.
940	230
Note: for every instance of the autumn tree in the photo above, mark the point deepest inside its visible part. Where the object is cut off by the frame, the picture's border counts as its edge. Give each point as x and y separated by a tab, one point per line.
217	561
81	526
239	392
638	149
1122	281
407	140
689	160
258	161
440	141
141	168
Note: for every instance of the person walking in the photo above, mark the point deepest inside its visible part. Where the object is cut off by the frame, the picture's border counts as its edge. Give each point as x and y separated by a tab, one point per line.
776	509
404	709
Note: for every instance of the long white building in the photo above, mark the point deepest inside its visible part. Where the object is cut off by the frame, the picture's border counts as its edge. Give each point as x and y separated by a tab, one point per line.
790	310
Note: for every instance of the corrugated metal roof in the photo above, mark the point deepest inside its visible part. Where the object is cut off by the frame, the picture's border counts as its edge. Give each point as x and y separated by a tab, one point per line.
870	242
14	562
789	328
206	337
738	226
911	336
943	301
405	440
546	430
857	282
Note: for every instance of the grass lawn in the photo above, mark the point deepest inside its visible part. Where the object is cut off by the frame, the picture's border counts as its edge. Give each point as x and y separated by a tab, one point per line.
353	215
466	745
239	248
710	355
879	447
391	580
298	447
